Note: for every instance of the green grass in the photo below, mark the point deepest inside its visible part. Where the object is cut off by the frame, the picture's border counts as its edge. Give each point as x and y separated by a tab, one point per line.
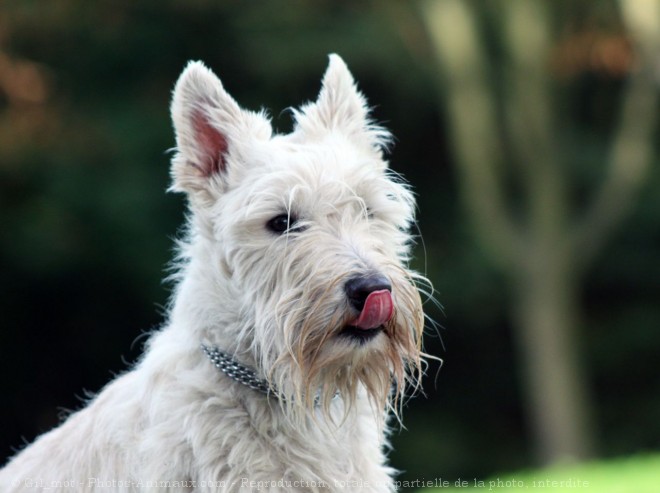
636	474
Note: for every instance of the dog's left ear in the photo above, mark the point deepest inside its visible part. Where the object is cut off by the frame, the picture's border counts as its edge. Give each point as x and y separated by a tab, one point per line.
210	129
341	107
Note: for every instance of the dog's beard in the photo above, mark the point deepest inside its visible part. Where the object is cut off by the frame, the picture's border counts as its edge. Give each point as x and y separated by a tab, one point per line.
321	361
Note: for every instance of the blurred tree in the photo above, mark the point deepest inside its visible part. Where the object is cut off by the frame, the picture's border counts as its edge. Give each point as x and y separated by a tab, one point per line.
545	252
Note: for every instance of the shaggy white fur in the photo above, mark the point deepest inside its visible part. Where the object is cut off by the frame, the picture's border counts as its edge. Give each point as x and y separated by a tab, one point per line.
278	225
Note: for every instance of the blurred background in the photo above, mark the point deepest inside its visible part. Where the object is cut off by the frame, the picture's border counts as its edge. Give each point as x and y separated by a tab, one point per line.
528	130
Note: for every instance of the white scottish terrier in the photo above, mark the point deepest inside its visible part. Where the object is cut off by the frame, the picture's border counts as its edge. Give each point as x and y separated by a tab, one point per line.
295	326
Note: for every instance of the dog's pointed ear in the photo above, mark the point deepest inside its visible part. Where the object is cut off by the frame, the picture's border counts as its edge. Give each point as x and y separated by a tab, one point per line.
341	106
208	124
339	102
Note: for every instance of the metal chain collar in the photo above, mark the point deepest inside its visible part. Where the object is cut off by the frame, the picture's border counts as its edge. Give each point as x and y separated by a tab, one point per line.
244	374
238	372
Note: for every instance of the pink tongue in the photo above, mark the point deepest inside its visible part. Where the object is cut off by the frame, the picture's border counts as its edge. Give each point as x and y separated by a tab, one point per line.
377	310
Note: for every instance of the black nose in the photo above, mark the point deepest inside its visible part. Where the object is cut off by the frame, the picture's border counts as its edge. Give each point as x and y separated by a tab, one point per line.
358	288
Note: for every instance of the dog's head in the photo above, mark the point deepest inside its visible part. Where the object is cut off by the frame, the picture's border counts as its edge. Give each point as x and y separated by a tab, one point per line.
307	236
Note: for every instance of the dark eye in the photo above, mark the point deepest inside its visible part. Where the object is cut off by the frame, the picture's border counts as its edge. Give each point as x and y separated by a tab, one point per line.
282	224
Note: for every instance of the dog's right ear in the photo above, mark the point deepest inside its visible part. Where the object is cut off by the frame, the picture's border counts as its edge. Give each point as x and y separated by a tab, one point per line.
208	124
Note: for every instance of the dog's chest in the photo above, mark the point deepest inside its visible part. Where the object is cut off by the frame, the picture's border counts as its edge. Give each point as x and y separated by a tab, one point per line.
261	450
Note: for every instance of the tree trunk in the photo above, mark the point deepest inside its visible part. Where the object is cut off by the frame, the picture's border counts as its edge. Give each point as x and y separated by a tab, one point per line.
545	317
